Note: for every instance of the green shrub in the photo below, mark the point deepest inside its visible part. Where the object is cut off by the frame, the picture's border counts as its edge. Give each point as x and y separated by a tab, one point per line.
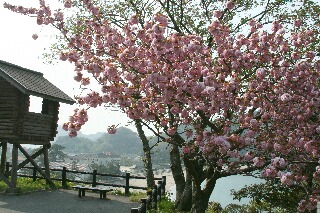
164	206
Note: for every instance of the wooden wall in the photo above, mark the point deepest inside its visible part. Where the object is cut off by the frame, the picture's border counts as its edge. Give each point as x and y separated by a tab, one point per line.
16	122
8	109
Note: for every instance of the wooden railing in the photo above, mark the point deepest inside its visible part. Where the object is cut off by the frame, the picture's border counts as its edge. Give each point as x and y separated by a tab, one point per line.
153	197
94	181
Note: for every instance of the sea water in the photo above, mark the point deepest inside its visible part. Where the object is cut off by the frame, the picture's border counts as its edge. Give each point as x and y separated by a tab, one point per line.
222	193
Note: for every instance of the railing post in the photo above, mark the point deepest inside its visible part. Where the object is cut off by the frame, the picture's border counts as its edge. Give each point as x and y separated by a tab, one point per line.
126	192
159	190
163	186
34	174
143	206
135	210
94	178
64	177
149	199
7	168
154	197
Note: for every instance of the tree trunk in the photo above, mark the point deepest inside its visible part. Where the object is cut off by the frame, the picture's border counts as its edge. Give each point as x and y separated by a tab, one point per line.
177	172
201	197
184	202
200	202
147	156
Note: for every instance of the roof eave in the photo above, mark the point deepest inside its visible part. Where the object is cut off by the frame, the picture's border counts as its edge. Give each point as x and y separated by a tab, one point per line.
71	101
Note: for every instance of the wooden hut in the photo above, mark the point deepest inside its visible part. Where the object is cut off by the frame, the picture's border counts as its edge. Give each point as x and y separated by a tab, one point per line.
18	125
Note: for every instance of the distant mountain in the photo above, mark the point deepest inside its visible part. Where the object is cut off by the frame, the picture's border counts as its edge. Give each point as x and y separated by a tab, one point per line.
62	133
125	141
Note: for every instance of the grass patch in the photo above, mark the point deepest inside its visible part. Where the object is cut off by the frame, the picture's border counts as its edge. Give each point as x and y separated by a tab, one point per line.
25	185
136	196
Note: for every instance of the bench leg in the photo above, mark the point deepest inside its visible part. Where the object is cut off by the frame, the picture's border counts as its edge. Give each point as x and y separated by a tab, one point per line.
101	193
79	194
83	192
104	194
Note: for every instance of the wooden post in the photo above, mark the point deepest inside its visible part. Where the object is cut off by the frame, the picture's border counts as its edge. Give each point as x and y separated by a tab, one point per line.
3	157
94	178
149	199
46	161
64	177
163	189
126	191
159	190
143	206
135	210
14	168
34	174
7	169
154	197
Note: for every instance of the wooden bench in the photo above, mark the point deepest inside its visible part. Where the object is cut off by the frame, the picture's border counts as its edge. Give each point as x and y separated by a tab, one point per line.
102	190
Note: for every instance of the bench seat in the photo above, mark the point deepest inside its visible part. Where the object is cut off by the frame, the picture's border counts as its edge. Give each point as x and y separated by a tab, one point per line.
102	190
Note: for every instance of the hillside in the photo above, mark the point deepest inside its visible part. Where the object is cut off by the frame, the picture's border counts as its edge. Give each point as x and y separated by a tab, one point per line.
125	141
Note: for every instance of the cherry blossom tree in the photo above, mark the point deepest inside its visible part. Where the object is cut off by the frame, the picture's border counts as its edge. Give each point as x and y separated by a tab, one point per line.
234	103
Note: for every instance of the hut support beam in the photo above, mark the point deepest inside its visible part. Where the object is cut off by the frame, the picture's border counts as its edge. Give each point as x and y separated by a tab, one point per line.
5	179
38	168
26	161
46	160
14	168
3	157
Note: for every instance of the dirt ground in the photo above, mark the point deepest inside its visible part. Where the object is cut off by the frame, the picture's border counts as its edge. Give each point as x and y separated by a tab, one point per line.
60	201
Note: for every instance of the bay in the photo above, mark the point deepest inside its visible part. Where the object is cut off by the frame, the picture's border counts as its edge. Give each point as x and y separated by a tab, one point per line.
221	192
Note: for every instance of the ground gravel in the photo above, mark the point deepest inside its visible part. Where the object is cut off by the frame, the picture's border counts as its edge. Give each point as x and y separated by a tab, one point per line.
60	201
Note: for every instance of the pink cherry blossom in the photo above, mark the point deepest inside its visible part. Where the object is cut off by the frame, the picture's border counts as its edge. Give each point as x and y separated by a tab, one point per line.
35	36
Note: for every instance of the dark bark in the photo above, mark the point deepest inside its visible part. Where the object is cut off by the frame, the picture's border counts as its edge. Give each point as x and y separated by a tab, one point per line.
177	172
184	202
147	154
201	197
200	202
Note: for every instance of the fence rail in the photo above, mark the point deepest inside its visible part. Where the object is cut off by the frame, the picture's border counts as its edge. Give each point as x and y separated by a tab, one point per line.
64	171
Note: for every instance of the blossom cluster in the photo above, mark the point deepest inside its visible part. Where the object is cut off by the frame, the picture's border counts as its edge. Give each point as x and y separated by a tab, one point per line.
248	101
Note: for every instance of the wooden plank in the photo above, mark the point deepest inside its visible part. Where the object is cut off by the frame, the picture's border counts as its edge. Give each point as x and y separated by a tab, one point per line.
6	124
6	127
36	128
38	115
5	120
6	111
8	136
35	142
5	132
7	116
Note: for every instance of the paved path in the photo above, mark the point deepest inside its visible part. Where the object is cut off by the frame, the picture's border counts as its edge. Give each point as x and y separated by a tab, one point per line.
60	201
